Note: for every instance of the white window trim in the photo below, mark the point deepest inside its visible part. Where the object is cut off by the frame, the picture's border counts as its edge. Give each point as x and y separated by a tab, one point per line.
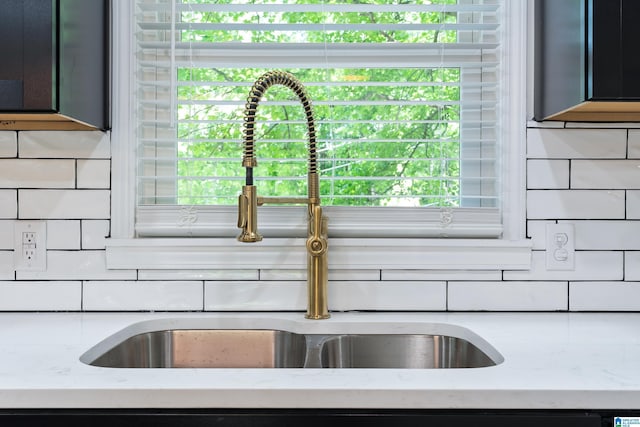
125	251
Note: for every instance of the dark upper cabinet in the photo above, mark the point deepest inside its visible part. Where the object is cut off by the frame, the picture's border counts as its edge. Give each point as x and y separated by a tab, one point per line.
586	65
55	64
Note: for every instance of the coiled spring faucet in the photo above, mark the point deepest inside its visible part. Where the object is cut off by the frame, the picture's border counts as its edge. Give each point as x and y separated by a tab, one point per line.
248	201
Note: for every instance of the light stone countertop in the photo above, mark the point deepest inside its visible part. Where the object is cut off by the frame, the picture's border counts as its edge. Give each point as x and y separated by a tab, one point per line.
551	361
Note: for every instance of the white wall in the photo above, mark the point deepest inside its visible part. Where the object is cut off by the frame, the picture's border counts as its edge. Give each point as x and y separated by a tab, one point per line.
589	177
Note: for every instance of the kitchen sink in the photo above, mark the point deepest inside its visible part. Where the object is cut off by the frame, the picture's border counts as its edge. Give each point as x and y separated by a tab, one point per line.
402	351
207	348
273	348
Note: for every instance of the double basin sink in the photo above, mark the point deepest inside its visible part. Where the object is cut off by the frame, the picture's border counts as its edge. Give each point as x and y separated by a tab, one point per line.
273	348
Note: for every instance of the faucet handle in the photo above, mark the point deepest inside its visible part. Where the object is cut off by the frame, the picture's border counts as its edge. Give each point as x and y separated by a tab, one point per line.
248	215
317	240
243	206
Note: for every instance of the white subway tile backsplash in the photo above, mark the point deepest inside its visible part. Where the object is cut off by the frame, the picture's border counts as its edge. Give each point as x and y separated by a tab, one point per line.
421	275
608	174
388	296
8	204
508	296
8	144
576	173
576	143
633	204
348	275
575	204
547	124
94	174
37	173
63	234
290	274
142	296
255	296
343	296
226	275
632	265
604	296
64	204
40	296
634	144
285	275
94	233
602	125
64	145
607	235
77	265
589	265
542	173
6	234
6	265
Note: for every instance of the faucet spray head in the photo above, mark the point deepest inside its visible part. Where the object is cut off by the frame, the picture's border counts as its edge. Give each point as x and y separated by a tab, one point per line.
248	215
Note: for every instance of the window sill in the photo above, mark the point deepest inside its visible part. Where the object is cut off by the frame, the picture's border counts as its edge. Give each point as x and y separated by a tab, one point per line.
346	254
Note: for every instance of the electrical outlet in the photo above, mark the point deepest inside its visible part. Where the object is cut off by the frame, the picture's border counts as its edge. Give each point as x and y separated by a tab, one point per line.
30	246
29	252
560	247
28	237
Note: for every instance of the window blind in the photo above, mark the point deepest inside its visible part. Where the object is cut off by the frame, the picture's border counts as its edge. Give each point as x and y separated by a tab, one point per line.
405	98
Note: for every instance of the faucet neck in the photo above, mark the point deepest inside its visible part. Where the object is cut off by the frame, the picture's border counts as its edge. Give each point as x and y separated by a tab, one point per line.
258	89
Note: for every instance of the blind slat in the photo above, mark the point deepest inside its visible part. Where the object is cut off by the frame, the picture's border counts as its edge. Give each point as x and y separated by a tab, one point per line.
346	7
197	49
160	26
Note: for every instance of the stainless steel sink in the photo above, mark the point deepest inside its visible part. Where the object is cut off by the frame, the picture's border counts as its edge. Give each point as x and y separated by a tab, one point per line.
402	351
270	348
207	348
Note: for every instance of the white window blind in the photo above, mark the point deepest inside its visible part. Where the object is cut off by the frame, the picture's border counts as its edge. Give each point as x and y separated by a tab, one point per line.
405	98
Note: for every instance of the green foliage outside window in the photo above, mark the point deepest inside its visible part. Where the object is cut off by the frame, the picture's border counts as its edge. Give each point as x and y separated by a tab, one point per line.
387	136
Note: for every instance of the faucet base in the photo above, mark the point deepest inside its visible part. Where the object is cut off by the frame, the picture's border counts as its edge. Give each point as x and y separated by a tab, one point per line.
317	316
249	237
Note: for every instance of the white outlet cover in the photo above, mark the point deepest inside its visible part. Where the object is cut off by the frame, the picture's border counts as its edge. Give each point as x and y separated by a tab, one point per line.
560	247
39	260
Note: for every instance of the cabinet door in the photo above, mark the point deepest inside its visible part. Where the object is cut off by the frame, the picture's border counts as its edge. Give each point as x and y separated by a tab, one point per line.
296	418
27	71
83	63
11	52
614	62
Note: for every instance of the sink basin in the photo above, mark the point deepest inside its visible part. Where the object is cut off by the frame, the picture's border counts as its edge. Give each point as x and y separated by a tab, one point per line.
207	348
142	346
402	351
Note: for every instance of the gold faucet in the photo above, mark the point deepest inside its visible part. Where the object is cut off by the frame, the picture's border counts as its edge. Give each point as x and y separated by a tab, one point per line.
249	200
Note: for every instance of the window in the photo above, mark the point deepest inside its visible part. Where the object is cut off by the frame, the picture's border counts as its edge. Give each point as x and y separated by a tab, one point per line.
410	100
